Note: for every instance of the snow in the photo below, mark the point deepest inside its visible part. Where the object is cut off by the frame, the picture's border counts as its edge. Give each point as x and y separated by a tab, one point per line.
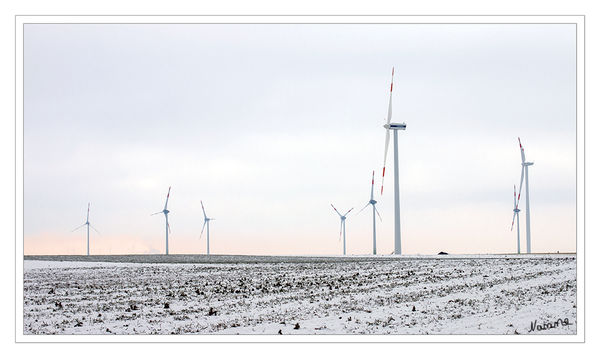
466	294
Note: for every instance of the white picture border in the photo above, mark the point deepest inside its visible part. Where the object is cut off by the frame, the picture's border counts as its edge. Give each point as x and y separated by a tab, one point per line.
579	20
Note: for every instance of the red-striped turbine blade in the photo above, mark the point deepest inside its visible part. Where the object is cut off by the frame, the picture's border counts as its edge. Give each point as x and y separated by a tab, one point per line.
382	177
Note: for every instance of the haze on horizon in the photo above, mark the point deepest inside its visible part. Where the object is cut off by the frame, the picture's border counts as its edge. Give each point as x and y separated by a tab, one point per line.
269	124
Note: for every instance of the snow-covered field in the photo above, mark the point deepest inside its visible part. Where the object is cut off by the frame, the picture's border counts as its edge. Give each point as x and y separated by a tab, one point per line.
451	294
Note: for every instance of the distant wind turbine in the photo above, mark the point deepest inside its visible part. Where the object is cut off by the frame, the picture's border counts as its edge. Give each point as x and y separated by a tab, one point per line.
342	224
525	173
516	214
394	127
373	202
207	224
167	227
87	223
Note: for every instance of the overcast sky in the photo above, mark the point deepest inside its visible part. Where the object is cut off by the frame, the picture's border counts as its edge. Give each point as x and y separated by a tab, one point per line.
269	124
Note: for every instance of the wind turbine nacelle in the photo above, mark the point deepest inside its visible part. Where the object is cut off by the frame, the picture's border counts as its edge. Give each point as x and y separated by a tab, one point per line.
395	126
166	211
528	163
372	202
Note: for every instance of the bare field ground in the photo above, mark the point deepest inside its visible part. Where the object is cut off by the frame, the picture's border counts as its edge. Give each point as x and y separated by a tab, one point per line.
198	294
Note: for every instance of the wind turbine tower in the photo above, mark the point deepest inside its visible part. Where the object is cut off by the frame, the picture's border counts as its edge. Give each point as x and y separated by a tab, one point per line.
525	174
393	127
373	202
516	211
207	225
87	223
167	227
342	224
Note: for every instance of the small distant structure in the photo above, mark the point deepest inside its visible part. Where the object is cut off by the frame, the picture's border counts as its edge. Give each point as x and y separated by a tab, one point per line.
525	173
373	202
516	211
442	253
207	224
87	222
167	227
342	225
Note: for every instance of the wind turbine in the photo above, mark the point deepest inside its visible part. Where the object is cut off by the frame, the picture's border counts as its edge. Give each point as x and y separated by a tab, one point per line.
167	227
373	202
516	214
393	127
342	224
207	224
87	222
525	173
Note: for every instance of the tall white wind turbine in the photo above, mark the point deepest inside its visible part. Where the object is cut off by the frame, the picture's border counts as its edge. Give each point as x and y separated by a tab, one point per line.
525	174
342	224
393	127
87	223
373	202
516	214
167	227
207	221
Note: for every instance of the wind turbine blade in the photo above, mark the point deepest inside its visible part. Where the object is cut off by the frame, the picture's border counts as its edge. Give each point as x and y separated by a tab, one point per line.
94	229
88	213
341	224
377	211
203	212
203	226
387	143
389	116
166	202
168	226
387	132
348	211
160	212
521	185
513	220
522	151
372	184
336	210
364	207
515	202
77	228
